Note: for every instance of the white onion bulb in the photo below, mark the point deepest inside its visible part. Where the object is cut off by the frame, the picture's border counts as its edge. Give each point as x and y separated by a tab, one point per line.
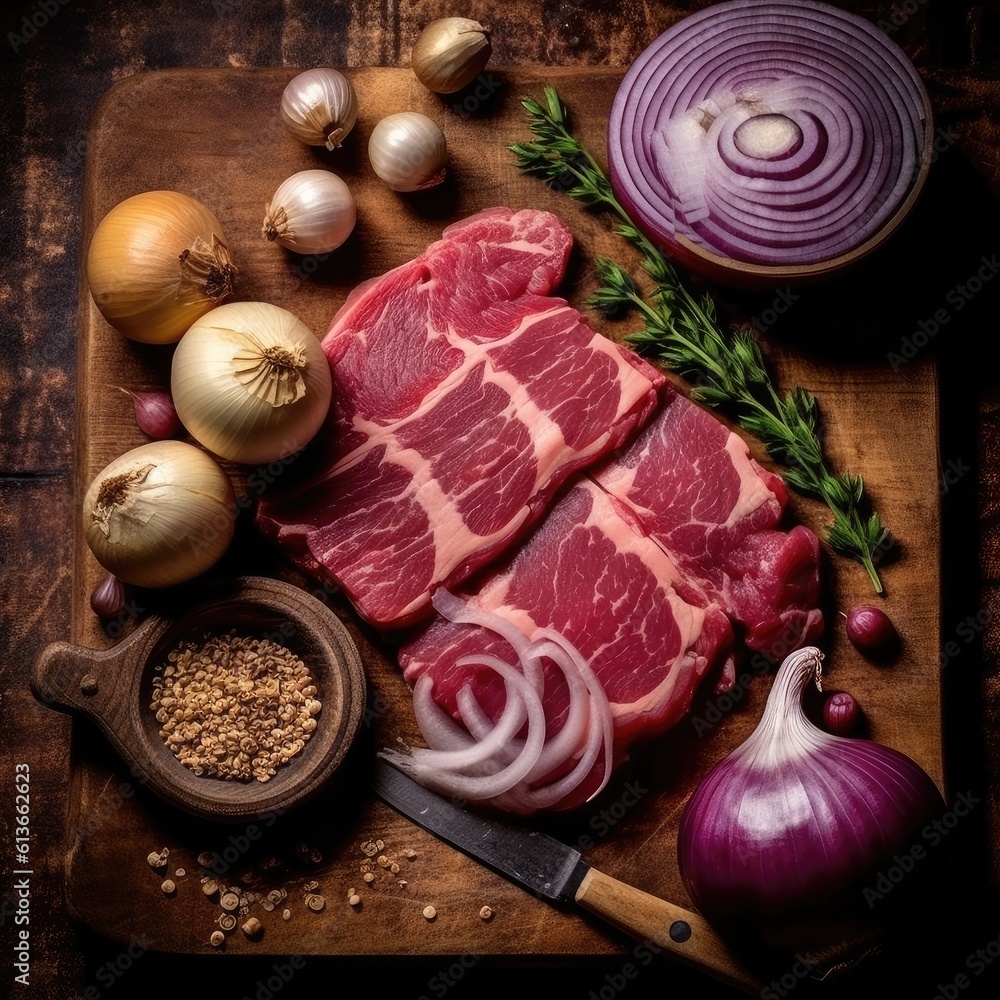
251	382
160	514
408	152
311	212
319	107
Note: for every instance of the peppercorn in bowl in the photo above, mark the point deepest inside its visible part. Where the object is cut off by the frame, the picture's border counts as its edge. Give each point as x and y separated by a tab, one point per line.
243	701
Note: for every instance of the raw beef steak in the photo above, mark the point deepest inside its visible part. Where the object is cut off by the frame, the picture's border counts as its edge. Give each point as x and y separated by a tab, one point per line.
691	485
587	573
464	396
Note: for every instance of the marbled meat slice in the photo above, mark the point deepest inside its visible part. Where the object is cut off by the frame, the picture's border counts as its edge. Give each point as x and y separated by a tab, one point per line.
691	485
586	572
464	396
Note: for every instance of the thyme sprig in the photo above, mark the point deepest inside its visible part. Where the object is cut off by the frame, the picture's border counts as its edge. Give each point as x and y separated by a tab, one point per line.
682	330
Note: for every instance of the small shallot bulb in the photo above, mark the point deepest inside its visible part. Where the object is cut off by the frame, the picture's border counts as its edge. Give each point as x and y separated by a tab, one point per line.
408	152
320	107
870	629
311	212
155	413
841	714
108	597
450	53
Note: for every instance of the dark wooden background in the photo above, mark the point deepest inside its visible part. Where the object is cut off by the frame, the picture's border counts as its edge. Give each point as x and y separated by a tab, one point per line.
50	85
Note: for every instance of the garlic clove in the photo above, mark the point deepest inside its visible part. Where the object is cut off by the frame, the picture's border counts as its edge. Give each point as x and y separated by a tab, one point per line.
320	107
312	212
450	53
408	152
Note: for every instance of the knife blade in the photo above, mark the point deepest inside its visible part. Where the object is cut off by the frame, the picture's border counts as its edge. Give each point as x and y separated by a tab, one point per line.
556	872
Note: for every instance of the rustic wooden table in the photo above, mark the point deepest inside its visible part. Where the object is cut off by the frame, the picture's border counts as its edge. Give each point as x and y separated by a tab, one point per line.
60	56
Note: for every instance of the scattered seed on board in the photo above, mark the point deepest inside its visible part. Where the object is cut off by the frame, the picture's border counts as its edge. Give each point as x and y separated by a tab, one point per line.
430	913
409	853
286	914
315	857
275	896
383	861
380	844
157	859
206	859
369	877
210	887
370	847
217	939
180	873
268	905
403	883
355	899
230	901
394	868
486	912
315	903
309	886
251	927
168	887
227	921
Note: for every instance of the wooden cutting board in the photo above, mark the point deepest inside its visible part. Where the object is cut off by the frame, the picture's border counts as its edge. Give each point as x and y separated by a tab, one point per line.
215	134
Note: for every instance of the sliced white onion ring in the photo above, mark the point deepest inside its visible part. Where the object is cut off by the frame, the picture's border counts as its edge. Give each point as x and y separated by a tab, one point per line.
472	787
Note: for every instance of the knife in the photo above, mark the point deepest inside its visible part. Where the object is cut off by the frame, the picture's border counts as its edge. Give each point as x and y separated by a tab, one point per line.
558	873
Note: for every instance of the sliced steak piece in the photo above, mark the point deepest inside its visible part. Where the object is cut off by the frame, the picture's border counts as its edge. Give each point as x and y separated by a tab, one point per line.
609	590
691	485
464	396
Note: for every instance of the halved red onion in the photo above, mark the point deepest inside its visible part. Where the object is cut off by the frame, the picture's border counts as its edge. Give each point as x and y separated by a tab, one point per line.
773	139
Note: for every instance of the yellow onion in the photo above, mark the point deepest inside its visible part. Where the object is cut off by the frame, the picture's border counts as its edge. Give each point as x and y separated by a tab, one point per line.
450	53
157	262
160	514
250	382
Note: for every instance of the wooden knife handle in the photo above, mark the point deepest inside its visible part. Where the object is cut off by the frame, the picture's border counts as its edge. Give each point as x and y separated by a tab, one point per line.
684	934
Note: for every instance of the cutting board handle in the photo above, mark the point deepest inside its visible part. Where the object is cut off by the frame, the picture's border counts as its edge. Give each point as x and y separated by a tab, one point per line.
647	918
83	680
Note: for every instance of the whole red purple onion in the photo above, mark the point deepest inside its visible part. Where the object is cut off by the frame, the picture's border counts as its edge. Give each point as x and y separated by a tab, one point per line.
791	826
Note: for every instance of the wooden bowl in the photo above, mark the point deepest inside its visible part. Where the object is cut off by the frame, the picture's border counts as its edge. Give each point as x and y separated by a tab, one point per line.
114	688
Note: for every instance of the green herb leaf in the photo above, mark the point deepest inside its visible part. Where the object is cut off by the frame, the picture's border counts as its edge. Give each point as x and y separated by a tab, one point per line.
683	332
